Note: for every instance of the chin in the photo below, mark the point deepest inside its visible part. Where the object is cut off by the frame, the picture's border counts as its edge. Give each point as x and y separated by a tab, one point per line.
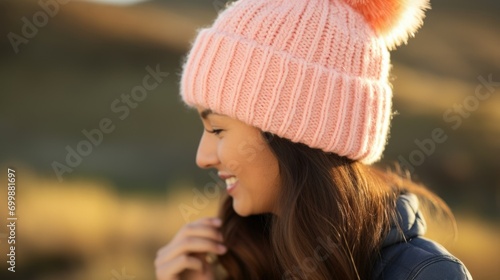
245	212
241	211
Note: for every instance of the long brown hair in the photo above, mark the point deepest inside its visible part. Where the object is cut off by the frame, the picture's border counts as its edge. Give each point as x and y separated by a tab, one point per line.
332	215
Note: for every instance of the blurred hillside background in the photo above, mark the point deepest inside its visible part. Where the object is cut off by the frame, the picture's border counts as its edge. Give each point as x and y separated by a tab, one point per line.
107	217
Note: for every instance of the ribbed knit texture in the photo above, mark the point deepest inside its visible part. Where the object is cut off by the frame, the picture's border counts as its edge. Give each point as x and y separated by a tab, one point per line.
312	71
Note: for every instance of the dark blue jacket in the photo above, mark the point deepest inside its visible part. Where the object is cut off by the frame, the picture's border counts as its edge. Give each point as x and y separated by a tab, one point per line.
408	255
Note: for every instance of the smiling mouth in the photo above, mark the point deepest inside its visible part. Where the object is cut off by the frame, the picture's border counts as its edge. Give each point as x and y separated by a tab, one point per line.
231	183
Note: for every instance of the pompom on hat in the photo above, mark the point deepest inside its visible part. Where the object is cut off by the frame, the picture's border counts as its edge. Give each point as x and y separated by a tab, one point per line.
312	71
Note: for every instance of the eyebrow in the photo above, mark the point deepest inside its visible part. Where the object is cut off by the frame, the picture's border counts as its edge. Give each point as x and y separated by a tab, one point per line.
204	114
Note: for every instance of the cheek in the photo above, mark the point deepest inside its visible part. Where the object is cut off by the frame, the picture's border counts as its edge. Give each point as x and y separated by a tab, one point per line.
272	175
263	189
226	152
252	151
234	166
237	155
248	157
265	174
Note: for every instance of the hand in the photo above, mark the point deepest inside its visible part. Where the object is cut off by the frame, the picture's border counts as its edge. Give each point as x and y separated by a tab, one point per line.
184	256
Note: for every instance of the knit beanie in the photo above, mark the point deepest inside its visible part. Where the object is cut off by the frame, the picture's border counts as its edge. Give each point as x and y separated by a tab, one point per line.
312	71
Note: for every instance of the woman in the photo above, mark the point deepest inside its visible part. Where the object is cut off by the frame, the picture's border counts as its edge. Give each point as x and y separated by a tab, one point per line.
296	105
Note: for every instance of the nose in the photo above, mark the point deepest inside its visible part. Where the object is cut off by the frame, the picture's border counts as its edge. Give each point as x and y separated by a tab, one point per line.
206	156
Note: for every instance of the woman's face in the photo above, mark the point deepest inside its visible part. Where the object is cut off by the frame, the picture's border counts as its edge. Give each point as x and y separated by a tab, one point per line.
238	150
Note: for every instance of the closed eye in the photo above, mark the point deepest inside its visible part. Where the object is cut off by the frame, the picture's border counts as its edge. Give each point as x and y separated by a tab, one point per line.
215	131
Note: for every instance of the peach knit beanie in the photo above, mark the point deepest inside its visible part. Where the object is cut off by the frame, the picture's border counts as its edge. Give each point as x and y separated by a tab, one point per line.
312	71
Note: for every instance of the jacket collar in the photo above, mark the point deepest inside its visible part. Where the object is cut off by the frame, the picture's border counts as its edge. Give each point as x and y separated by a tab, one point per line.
411	222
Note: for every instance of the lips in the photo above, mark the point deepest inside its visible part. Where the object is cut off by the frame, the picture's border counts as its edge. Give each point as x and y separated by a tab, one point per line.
231	181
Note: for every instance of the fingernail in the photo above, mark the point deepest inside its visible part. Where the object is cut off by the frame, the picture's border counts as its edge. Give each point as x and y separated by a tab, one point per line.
217	222
221	248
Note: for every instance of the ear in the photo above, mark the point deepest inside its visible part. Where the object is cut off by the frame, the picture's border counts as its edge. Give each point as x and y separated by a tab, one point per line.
393	20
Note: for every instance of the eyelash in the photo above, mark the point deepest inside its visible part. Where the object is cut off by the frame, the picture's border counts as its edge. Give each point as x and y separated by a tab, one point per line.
215	131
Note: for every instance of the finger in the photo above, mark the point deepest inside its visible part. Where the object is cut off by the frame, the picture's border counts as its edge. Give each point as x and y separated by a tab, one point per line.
177	265
204	231
190	245
209	221
194	231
